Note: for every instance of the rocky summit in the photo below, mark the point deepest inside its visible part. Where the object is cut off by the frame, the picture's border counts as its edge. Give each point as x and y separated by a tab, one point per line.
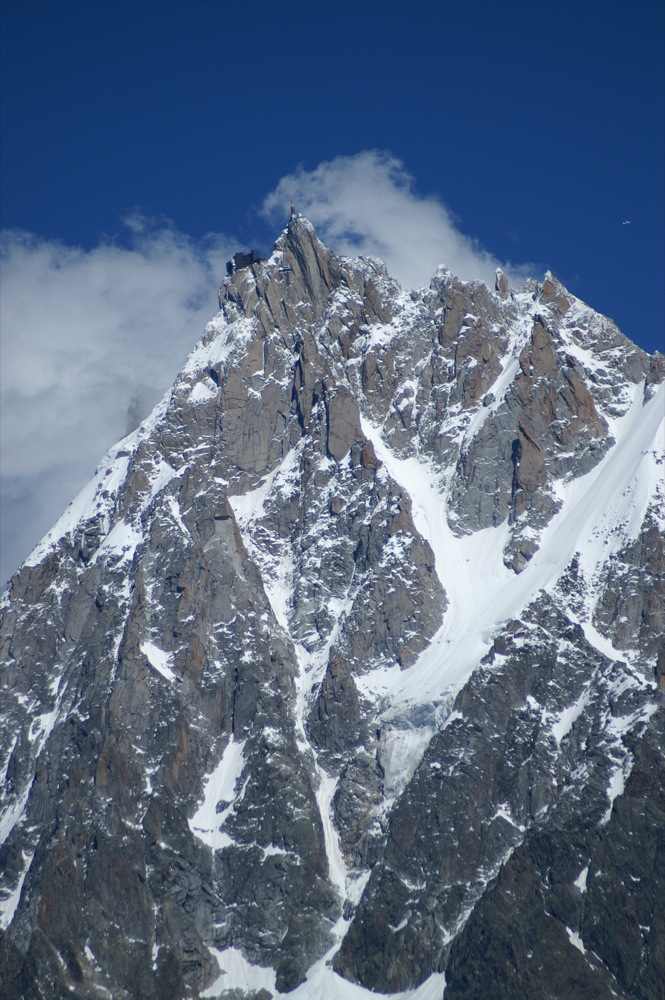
344	675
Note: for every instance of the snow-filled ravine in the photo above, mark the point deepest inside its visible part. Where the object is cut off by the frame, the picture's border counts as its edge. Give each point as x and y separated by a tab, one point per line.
599	513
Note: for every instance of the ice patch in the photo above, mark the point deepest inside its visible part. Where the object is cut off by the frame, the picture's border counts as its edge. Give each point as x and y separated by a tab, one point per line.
336	866
405	735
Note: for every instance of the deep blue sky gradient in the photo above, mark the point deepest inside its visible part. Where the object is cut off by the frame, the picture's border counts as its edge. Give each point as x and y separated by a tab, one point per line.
540	125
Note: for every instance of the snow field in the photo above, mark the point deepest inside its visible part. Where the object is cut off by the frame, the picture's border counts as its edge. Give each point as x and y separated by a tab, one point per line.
599	513
321	984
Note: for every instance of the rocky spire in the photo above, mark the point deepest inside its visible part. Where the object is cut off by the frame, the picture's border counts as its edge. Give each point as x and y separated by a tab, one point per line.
343	665
501	286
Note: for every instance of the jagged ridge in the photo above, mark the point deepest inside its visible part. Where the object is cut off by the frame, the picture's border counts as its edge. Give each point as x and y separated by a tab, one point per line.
355	580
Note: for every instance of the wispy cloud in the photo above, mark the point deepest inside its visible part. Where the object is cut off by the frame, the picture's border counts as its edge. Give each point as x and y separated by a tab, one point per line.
367	204
90	341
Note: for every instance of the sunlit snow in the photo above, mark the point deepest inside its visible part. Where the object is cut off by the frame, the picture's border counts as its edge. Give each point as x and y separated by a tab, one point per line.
321	983
159	659
615	492
575	940
9	905
580	881
219	788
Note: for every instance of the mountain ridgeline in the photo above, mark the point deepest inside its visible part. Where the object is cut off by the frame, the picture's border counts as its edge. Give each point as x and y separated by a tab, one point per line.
344	675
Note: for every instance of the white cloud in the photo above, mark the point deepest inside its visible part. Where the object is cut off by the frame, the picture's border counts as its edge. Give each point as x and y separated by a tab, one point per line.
366	204
90	341
92	338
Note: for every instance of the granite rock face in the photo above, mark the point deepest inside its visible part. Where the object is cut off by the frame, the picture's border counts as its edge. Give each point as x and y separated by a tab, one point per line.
348	665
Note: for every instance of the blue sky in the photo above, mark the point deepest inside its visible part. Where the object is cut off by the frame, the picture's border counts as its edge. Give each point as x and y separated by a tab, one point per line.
142	142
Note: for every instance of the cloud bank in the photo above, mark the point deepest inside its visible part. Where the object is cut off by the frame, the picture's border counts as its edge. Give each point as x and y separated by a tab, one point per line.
367	205
90	342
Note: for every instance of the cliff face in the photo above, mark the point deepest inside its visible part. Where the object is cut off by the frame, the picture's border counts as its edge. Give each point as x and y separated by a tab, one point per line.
347	666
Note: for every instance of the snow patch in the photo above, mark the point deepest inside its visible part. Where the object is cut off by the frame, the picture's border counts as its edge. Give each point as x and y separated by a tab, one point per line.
9	905
220	340
618	726
616	787
236	973
324	984
336	867
12	816
160	477
580	881
202	392
575	940
88	503
567	718
503	812
176	514
122	540
615	494
219	788
159	659
277	569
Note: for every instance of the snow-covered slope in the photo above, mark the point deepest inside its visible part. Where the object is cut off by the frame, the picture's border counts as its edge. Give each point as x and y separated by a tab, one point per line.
343	677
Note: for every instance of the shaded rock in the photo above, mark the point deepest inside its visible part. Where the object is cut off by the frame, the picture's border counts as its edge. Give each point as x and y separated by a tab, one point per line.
343	423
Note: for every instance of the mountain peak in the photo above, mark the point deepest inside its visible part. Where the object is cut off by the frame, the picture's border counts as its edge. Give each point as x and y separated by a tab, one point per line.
355	638
314	267
501	286
301	270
